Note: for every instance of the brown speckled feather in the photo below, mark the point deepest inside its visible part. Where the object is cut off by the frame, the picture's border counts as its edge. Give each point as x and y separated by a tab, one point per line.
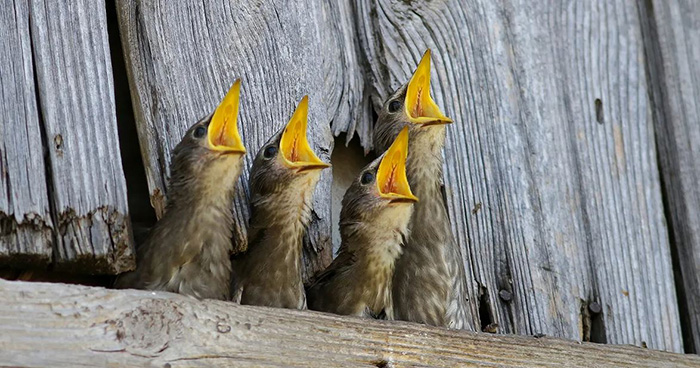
269	273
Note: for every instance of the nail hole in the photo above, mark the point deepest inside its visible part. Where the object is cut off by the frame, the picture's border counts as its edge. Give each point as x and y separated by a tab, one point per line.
599	111
382	363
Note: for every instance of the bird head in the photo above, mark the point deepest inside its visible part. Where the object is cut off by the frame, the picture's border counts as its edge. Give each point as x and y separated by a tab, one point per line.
209	156
286	165
381	194
411	105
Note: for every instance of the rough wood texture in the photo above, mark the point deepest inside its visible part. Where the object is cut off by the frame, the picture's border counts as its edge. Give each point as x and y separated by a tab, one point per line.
25	217
671	46
76	97
182	58
59	325
551	173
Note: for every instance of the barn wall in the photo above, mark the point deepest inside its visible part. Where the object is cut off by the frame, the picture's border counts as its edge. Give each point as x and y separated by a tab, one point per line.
570	171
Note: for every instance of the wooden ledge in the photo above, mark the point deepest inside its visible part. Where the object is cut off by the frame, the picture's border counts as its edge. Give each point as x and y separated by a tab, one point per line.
60	325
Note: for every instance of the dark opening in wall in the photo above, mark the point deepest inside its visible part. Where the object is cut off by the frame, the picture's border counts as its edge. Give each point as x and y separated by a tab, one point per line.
140	209
485	315
347	163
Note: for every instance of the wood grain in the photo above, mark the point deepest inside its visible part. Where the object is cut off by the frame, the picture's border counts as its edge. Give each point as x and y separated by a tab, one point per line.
551	169
182	58
25	216
672	35
76	98
58	325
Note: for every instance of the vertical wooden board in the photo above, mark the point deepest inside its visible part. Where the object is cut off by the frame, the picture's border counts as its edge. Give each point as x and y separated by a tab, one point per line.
673	56
182	58
25	217
613	141
76	97
551	206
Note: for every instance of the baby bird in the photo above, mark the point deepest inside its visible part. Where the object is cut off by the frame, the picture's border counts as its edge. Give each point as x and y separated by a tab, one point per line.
282	182
429	282
187	251
373	225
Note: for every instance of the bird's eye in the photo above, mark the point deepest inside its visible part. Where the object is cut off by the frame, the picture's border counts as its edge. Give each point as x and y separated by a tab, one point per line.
199	132
367	178
270	152
394	106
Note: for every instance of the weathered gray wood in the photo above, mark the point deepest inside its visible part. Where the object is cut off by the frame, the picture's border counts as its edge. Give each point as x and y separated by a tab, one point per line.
25	217
182	58
551	173
76	97
65	325
673	55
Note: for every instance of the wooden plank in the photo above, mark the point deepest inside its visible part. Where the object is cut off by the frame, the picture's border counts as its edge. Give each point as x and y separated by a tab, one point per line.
551	173
182	58
672	37
25	217
58	325
76	97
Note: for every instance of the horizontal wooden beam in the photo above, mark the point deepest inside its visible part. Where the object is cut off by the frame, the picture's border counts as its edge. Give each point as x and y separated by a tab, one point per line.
62	325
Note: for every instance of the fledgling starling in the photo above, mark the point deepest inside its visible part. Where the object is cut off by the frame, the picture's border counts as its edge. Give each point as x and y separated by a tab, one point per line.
187	251
429	282
373	225
282	182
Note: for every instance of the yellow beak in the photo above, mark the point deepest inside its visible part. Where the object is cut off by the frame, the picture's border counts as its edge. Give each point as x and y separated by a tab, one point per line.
420	107
223	129
391	175
294	145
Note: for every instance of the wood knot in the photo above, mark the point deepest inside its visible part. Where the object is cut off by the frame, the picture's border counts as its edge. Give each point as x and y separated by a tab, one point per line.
148	329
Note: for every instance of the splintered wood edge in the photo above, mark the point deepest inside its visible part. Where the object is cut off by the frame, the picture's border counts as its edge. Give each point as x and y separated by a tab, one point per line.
58	325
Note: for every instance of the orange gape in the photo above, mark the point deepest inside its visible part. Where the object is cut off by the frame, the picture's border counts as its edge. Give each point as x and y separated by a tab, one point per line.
392	183
294	155
223	133
418	107
390	186
221	138
294	145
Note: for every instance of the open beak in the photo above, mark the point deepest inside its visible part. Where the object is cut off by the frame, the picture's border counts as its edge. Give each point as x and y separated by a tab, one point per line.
391	175
420	107
294	145
223	129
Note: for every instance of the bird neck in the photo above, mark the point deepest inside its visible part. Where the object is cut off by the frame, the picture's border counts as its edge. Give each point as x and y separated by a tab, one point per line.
424	172
424	163
276	233
213	187
203	204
